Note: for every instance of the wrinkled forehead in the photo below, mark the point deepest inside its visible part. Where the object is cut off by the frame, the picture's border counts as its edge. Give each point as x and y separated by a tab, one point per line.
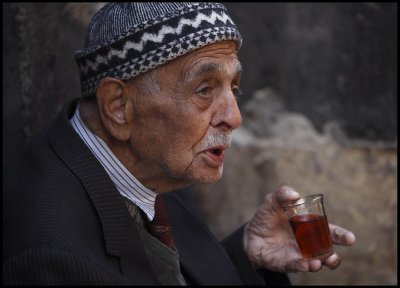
215	58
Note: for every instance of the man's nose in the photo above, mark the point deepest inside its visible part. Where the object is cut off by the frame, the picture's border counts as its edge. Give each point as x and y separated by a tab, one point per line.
227	113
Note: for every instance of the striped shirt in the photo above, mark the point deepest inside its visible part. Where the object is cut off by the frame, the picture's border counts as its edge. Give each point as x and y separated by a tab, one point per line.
126	184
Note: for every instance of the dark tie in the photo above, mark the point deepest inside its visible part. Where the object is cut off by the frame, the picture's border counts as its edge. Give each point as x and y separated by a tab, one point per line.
159	227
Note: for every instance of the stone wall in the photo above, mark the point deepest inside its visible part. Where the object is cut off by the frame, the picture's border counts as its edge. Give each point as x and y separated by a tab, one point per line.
320	113
39	70
328	61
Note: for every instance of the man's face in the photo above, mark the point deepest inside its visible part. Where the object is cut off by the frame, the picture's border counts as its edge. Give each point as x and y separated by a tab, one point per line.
181	131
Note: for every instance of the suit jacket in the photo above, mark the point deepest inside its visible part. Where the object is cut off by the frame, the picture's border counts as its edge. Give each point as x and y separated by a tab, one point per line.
65	223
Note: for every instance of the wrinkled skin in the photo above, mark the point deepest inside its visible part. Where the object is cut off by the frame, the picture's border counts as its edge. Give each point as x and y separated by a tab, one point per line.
195	102
270	243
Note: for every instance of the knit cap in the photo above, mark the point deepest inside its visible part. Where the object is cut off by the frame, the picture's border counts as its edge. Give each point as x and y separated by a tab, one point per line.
128	39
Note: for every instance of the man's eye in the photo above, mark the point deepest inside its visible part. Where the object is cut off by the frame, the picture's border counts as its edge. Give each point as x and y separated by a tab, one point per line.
237	92
203	97
204	91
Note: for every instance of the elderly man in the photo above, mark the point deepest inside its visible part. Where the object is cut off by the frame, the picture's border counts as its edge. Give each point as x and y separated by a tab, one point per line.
89	201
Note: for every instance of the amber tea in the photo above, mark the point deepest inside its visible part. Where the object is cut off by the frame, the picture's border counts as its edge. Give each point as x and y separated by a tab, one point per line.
310	227
312	235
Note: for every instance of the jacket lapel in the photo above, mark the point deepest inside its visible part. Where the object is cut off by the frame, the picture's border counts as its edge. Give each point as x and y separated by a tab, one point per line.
202	257
120	235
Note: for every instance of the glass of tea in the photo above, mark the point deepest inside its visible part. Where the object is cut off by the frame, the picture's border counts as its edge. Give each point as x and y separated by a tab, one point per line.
310	227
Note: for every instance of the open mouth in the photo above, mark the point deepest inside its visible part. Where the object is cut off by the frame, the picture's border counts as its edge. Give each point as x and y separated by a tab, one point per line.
215	155
216	152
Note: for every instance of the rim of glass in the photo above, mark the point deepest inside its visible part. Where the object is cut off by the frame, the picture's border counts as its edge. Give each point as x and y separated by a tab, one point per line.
303	200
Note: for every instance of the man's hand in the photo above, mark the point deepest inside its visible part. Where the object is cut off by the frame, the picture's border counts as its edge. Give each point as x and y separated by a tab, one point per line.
270	243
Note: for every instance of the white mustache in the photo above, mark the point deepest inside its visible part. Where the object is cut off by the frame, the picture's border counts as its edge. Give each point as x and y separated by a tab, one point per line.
211	141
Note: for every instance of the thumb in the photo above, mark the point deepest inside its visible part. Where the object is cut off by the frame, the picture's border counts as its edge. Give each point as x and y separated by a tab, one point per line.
286	194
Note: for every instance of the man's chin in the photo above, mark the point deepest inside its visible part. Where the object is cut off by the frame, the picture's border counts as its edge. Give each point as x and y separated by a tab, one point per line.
209	178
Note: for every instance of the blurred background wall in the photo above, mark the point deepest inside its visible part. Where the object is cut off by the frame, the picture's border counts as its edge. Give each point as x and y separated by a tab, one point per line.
319	114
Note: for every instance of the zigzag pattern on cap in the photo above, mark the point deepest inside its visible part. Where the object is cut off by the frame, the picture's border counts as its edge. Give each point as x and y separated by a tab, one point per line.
154	42
157	38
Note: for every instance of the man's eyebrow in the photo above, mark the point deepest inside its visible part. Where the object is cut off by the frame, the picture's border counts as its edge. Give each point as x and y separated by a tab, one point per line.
211	68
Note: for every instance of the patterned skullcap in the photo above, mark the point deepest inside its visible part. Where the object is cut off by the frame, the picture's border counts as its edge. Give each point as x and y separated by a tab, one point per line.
128	39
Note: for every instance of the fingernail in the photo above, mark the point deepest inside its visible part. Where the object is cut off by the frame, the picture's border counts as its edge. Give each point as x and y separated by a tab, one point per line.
333	261
293	194
350	238
334	258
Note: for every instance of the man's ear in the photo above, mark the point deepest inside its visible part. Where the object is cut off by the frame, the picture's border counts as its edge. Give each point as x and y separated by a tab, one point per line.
114	107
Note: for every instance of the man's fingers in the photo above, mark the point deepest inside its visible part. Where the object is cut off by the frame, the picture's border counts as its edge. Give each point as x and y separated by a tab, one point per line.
341	236
301	266
333	261
315	265
286	194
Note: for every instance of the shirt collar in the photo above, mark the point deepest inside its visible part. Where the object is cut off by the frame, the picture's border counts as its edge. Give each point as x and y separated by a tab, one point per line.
126	184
